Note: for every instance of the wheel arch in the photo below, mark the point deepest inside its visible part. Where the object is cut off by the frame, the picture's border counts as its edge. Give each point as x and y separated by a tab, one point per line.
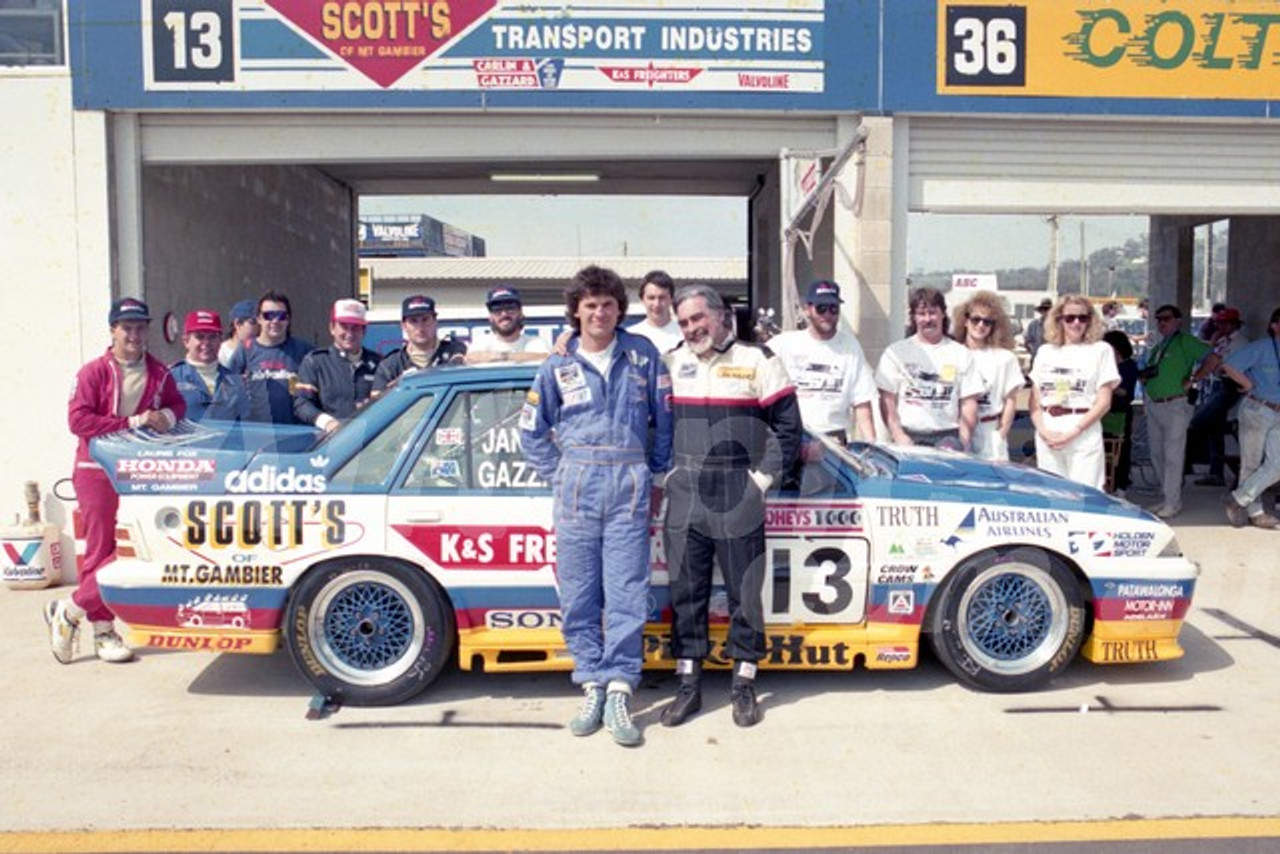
1002	551
338	560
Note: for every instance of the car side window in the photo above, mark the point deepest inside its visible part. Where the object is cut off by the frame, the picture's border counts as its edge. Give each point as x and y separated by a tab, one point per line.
373	464
476	446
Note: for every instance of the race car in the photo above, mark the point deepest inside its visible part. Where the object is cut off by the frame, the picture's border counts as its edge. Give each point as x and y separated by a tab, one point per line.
417	534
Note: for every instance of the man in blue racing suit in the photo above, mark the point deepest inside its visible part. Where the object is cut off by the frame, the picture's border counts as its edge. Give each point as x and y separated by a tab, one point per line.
597	426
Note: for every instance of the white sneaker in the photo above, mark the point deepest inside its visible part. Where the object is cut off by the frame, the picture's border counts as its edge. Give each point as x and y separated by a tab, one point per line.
1167	512
108	645
64	632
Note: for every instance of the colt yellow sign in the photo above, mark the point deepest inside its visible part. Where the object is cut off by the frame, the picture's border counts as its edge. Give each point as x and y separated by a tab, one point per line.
1110	48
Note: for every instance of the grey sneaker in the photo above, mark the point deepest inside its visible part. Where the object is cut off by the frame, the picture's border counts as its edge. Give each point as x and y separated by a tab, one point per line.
617	719
64	632
108	645
1236	515
591	715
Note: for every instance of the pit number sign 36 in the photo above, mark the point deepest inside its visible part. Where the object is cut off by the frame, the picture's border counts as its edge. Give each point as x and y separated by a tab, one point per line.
986	46
192	42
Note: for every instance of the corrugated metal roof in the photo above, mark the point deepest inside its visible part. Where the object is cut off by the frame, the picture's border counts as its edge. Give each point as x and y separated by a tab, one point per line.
561	269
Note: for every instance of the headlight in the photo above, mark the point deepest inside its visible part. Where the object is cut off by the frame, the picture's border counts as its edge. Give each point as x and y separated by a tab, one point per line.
1171	548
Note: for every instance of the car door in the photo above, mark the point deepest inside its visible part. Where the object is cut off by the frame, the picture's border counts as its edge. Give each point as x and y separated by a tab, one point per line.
475	514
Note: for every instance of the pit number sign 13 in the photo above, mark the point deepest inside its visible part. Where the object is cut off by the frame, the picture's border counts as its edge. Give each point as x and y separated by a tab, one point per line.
192	41
986	45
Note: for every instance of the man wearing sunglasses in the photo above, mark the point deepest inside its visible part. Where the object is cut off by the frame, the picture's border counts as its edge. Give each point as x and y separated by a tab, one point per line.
1167	379
506	328
834	384
269	363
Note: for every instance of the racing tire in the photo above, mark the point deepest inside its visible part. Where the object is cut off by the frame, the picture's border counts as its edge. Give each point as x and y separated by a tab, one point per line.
1009	621
369	632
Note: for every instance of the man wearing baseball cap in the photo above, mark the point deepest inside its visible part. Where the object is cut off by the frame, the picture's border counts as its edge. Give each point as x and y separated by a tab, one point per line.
244	327
506	328
210	390
334	382
423	347
834	384
124	388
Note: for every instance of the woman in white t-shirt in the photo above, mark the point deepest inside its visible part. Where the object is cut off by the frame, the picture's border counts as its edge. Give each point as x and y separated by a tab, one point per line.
982	325
1071	383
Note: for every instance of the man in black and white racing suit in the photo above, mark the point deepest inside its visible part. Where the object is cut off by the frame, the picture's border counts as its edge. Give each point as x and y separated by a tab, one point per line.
737	430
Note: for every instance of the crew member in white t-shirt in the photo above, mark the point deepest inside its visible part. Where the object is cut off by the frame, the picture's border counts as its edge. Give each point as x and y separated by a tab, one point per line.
834	384
929	388
506	329
659	324
1071	383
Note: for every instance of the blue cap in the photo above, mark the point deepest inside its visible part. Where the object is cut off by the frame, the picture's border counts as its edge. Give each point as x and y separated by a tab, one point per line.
416	305
128	308
246	309
824	292
501	294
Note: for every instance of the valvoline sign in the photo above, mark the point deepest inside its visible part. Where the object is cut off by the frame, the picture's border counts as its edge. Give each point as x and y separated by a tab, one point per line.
383	39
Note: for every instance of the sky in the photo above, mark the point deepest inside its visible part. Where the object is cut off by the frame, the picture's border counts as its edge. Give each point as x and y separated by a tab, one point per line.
600	226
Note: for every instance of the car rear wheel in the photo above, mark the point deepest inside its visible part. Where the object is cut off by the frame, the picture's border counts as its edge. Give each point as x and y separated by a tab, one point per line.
369	632
1009	621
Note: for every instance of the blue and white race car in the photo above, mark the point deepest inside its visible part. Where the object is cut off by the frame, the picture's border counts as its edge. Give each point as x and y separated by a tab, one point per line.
418	532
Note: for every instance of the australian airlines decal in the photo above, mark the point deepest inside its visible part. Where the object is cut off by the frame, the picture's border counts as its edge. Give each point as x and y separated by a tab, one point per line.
471	45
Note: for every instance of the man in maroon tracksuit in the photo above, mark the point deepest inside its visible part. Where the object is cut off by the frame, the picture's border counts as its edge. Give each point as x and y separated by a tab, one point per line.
124	388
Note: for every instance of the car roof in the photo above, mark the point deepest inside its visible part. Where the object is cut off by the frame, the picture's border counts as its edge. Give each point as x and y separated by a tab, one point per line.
448	375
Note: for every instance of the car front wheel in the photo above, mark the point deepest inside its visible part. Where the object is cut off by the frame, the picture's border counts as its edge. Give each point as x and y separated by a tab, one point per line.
369	632
1009	620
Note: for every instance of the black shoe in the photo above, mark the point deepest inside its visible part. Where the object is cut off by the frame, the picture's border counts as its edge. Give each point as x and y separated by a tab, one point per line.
1210	480
746	711
688	702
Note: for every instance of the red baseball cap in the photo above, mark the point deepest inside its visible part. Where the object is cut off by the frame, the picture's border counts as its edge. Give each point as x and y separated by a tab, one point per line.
202	320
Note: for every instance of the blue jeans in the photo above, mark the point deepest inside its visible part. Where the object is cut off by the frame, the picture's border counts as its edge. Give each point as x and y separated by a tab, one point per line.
1259	453
602	562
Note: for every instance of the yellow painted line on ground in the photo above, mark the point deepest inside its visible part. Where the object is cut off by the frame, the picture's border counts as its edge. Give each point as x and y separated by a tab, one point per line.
644	838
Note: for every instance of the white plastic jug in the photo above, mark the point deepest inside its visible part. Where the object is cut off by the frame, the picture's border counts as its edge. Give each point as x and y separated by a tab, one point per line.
31	551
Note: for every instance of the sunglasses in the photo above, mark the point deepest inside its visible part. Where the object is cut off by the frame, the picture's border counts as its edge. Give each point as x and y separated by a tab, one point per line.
1075	318
275	315
982	321
827	309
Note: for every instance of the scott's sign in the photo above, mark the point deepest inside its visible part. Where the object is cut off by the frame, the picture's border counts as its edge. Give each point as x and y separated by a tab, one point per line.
383	39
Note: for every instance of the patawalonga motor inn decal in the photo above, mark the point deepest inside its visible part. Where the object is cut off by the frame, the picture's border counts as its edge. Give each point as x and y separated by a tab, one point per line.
473	45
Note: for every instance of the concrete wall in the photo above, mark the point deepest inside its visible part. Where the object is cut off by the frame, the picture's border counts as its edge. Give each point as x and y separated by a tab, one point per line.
213	235
55	253
1253	270
864	241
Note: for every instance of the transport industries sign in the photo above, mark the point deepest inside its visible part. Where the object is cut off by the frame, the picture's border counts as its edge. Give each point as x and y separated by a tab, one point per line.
1228	49
395	49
